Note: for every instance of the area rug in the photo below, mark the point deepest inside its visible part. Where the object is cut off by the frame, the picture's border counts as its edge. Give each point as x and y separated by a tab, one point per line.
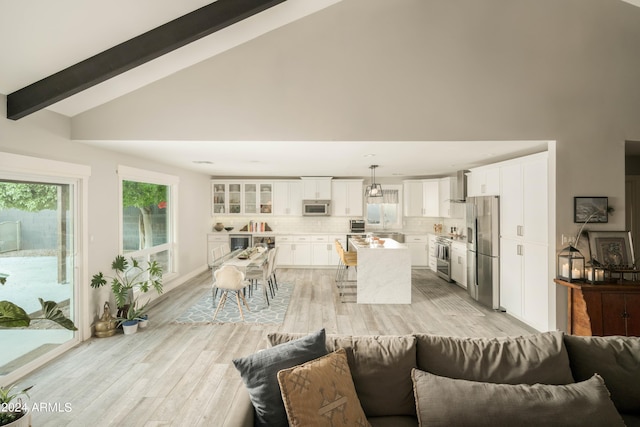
259	312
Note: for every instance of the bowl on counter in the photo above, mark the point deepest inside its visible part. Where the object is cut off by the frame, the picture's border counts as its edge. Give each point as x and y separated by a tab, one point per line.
228	228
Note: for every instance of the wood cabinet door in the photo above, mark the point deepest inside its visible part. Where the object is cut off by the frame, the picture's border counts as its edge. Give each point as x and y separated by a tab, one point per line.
632	302
613	309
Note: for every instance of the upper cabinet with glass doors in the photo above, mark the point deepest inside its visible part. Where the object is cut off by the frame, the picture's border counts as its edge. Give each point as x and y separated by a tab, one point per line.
241	197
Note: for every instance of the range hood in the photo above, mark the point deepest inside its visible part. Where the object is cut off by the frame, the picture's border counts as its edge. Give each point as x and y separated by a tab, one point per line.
459	191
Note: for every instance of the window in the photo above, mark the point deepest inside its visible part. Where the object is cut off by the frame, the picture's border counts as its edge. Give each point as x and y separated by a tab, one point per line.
385	212
148	206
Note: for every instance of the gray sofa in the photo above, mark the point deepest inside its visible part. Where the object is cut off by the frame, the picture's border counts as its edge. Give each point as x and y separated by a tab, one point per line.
541	379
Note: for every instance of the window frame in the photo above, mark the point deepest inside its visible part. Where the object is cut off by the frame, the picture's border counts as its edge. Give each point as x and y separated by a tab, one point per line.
27	168
127	173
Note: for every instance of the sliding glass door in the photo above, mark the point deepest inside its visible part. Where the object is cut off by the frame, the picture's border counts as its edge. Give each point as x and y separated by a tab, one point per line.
38	240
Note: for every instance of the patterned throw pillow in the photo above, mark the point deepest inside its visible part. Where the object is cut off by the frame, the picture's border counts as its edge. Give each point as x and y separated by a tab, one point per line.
321	393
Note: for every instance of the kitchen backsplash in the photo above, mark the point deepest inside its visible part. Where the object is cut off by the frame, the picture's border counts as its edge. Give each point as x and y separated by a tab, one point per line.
331	225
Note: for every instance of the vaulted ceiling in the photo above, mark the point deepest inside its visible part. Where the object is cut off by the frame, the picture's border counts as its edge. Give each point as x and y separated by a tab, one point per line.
39	38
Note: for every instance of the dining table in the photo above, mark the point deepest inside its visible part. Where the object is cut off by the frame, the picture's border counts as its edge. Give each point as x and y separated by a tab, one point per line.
239	259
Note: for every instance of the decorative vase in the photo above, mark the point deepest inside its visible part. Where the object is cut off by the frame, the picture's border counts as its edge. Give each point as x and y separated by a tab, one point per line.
107	325
219	226
130	327
143	322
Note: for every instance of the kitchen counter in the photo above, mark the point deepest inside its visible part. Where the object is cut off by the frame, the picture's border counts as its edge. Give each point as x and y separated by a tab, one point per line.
383	273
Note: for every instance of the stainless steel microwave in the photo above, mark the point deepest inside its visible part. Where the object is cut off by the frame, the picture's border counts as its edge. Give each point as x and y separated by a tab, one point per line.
316	207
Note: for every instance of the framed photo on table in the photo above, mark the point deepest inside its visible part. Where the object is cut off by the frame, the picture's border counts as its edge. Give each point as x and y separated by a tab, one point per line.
611	248
591	209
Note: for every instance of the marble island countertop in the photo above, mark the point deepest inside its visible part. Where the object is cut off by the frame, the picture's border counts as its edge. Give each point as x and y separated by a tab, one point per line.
358	244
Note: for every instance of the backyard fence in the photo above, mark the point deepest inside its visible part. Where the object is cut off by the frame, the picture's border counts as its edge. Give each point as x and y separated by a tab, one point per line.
9	236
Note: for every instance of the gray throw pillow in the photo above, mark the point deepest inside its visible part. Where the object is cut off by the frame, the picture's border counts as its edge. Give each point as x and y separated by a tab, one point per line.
616	359
530	359
259	372
442	401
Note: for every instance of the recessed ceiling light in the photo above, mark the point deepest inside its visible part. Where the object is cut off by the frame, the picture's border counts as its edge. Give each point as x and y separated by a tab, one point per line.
369	155
203	162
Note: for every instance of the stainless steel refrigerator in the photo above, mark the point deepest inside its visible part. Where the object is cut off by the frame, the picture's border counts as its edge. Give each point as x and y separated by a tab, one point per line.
483	250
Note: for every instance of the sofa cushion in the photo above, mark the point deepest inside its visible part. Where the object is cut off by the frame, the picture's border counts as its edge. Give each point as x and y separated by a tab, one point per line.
616	359
259	373
380	367
447	402
539	358
321	393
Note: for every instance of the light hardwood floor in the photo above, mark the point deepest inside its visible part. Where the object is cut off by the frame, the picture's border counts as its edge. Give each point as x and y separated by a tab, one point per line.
181	375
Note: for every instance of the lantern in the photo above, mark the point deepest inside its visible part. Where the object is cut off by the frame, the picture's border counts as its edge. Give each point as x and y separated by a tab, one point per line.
570	265
595	274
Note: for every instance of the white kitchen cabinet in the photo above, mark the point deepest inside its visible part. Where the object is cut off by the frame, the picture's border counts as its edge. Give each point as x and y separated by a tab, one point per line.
215	241
412	194
459	263
241	197
523	199
316	188
257	197
421	198
446	189
511	251
294	250
285	254
432	253
347	197
287	198
320	253
524	259
524	291
483	181
418	248
302	250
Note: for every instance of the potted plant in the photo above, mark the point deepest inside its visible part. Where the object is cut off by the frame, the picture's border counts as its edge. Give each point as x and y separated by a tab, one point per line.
14	316
129	276
13	411
131	319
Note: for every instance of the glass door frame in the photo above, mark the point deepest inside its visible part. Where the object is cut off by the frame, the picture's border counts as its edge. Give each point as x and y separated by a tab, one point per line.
33	169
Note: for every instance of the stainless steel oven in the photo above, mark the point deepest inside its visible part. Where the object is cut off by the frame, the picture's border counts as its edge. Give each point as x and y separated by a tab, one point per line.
443	258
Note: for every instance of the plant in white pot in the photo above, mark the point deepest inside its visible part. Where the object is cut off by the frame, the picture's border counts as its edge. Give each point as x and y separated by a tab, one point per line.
130	321
130	276
13	410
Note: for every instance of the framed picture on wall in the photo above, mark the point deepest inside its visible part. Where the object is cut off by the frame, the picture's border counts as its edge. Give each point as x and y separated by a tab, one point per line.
590	209
611	248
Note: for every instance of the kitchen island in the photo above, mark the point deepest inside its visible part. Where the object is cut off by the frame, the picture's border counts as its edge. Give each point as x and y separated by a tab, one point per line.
383	272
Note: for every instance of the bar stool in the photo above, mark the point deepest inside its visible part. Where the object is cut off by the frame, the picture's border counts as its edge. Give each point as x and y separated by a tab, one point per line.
347	259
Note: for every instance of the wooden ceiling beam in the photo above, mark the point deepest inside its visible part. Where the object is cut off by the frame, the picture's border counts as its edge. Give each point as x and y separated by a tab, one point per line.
132	53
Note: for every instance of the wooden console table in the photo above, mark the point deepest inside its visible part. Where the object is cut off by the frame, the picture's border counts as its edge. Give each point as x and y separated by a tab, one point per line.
607	309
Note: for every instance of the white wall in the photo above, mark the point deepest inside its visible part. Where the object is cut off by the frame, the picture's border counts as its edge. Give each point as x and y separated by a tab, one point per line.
46	135
559	70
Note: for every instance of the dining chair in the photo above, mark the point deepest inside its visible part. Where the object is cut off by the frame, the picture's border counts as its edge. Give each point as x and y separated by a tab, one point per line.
229	278
263	274
226	249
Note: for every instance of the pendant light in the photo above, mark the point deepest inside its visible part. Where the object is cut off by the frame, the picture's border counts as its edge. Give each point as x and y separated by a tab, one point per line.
375	190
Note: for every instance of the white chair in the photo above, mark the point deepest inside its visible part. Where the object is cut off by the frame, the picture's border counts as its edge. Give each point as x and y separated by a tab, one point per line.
229	279
274	266
263	274
226	249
